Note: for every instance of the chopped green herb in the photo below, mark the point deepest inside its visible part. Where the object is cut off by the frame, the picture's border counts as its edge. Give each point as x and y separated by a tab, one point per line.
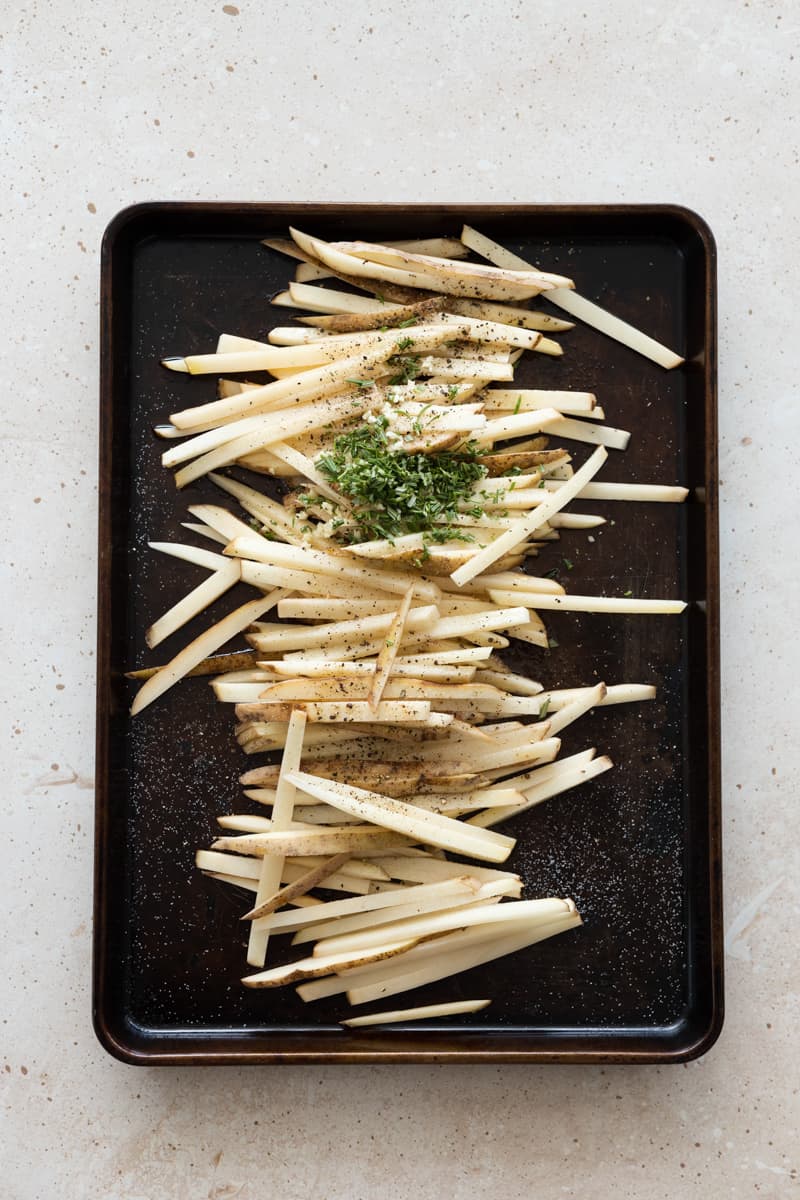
568	563
416	424
380	298
405	343
514	471
408	323
552	643
452	391
516	406
361	382
264	530
628	593
394	493
407	368
545	704
552	573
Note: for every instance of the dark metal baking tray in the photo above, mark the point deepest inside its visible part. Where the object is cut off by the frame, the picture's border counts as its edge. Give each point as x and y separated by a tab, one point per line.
638	849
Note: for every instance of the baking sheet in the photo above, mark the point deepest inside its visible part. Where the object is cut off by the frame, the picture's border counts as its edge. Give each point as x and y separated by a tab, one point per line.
638	849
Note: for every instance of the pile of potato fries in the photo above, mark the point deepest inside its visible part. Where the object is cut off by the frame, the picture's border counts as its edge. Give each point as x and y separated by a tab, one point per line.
404	738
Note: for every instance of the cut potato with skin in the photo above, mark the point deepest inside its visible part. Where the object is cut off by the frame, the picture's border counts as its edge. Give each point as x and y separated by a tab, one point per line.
309	968
328	840
507	314
576	305
313	878
478	896
204	645
471	956
512	537
392	317
390	813
427	274
402	735
527	911
444	268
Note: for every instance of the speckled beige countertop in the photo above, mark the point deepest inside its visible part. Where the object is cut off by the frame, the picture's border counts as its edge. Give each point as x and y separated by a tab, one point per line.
695	104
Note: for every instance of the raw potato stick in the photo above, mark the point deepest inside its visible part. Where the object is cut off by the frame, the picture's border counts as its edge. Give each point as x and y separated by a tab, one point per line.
308	968
528	911
403	818
389	712
617	693
610	604
411	736
328	840
576	305
192	554
389	651
207	642
540	792
216	664
393	317
525	399
193	603
304	884
523	528
456	887
269	880
453	1008
628	491
359	922
471	956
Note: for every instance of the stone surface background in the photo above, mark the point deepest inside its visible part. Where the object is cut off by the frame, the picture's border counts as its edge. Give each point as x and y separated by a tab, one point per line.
496	101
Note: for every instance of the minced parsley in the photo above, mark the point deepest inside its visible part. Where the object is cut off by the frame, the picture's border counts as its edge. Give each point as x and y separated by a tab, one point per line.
394	493
406	366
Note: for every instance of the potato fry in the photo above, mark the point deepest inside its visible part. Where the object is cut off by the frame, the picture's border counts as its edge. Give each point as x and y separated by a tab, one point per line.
328	840
203	645
300	887
403	818
530	912
393	317
422	270
576	305
527	525
269	879
410	496
426	1012
472	955
309	968
620	604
